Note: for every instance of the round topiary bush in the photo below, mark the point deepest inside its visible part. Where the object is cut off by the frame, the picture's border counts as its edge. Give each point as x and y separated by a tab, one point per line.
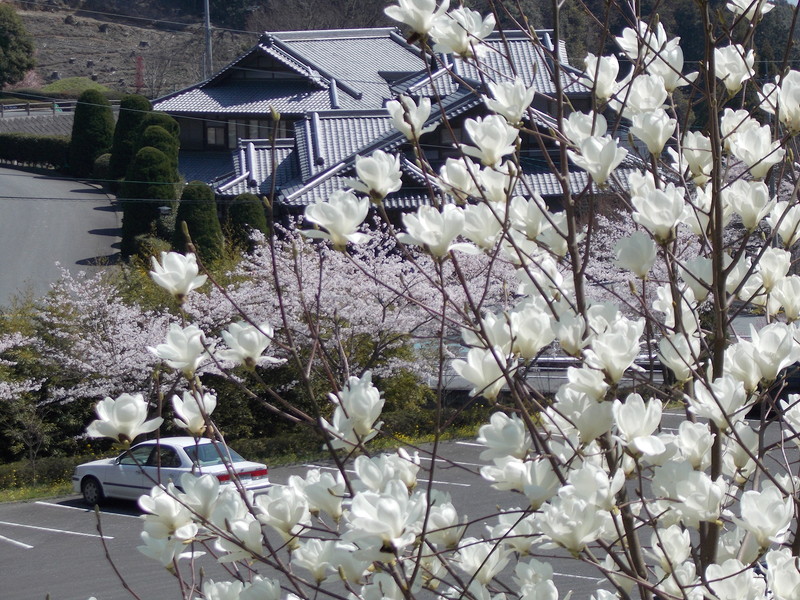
198	209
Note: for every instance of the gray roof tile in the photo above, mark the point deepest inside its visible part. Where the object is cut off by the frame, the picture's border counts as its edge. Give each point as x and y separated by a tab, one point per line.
204	166
253	163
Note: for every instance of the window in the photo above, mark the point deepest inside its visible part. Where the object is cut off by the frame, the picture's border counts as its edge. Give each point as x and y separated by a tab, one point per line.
165	457
215	135
206	455
137	456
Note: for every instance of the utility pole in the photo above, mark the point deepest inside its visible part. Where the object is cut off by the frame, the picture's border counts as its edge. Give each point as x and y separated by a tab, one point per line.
208	59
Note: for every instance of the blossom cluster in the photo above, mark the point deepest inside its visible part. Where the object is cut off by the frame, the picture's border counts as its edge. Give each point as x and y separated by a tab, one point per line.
690	512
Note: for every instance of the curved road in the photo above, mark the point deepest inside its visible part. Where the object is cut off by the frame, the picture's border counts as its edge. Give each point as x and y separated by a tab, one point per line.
47	219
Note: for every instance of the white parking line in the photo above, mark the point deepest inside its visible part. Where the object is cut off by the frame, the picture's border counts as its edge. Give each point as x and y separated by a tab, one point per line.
15	543
51	530
85	510
312	466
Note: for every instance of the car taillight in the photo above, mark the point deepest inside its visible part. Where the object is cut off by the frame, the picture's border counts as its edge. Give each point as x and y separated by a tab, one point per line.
224	477
258	474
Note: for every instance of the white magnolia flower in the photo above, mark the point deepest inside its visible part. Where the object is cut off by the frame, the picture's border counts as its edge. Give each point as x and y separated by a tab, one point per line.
176	273
510	99
636	421
787	293
784	219
358	407
571	522
483	223
733	580
750	199
419	15
670	546
766	514
166	517
644	41
579	126
247	343
757	150
694	441
645	93
733	122
660	211
504	436
378	175
783	573
531	330
614	350
459	178
434	230
409	118
774	349
193	410
341	216
598	156
654	128
636	253
184	350
752	10
696	153
601	75
461	31
493	138
741	446
480	559
123	418
484	369
165	550
679	352
285	509
723	402
667	63
733	66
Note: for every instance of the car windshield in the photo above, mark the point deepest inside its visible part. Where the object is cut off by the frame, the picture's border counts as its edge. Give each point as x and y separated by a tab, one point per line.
206	455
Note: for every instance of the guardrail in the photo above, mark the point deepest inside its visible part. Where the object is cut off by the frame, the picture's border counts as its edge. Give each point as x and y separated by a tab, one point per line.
38	108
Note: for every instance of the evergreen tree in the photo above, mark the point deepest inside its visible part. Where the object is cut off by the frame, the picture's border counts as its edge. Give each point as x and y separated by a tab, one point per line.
156	136
198	209
162	120
132	109
92	132
16	47
149	184
244	215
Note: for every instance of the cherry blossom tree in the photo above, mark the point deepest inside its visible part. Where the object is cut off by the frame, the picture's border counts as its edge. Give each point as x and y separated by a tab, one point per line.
659	514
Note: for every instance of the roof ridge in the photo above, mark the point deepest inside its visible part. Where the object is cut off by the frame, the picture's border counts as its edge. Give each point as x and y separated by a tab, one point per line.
316	34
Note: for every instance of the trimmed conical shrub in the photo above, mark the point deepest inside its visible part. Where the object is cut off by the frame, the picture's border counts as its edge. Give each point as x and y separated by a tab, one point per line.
245	214
92	132
149	184
132	109
198	209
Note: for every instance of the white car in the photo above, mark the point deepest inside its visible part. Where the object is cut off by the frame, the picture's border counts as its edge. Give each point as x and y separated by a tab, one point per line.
135	471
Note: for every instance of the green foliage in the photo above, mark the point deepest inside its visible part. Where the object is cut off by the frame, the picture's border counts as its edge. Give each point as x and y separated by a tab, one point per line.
35	150
132	110
92	132
16	47
72	87
243	215
198	210
101	168
149	185
162	120
51	469
157	137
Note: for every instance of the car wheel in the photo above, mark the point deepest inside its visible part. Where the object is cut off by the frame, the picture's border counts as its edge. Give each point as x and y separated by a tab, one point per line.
92	491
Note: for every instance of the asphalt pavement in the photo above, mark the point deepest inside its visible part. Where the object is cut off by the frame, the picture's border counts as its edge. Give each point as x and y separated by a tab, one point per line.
47	219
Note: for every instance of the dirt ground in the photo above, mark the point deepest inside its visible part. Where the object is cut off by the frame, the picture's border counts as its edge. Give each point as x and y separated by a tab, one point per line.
125	57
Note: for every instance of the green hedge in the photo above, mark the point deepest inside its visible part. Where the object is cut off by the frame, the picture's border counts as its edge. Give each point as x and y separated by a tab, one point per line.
35	150
51	469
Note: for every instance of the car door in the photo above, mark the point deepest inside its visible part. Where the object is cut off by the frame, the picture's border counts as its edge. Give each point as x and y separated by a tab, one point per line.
124	479
164	466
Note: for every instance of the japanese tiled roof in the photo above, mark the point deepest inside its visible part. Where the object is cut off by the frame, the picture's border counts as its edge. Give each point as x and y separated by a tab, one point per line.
256	165
321	70
204	166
